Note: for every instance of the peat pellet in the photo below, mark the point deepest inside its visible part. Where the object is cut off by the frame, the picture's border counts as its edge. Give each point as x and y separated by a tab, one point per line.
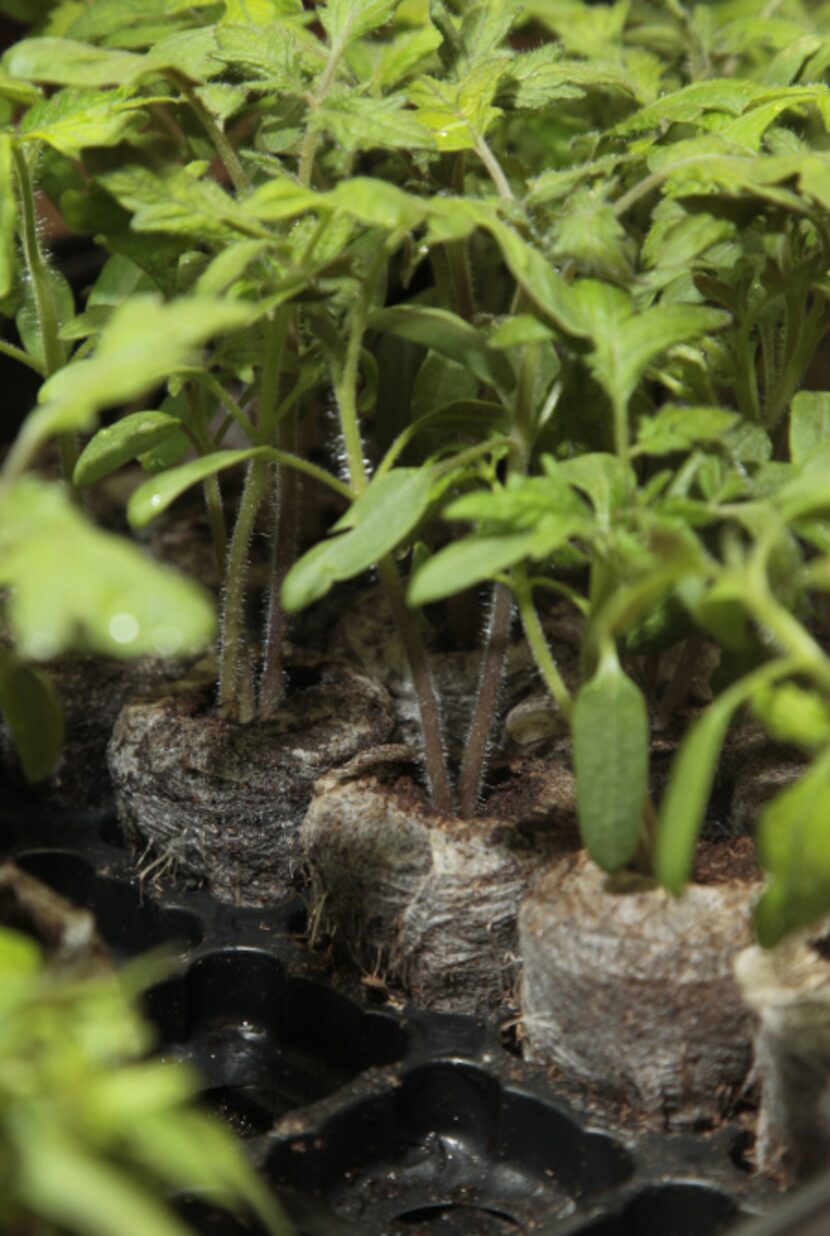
222	802
788	989
630	994
425	898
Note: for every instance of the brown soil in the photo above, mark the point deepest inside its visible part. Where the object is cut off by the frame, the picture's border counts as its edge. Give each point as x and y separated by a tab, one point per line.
725	860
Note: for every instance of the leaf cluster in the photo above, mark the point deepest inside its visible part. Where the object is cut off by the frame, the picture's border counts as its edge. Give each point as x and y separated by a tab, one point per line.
561	271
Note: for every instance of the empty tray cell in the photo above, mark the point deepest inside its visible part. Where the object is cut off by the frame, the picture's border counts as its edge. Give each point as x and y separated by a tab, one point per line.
266	1038
449	1146
129	922
681	1209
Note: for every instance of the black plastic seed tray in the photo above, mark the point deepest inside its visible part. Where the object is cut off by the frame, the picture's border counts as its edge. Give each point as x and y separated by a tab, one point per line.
369	1120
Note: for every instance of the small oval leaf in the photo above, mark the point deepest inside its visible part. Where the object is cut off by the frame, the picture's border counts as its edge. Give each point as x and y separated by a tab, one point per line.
117	444
610	752
378	521
155	495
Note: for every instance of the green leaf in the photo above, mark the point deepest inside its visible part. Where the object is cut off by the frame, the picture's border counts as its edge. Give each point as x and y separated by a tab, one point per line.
275	54
155	495
376	203
75	1190
683	808
590	232
626	343
28	318
403	54
610	753
458	114
191	53
518	330
72	120
76	588
549	293
260	12
144	342
360	122
33	715
117	444
674	428
8	217
809	425
344	21
384	514
451	336
792	715
525	503
468	561
792	843
69	62
176	202
21	93
607	482
684	106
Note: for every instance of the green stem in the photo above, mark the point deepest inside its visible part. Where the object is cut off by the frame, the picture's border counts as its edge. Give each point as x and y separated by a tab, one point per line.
451	48
457	254
217	136
313	137
494	170
484	710
538	644
234	663
501	610
434	757
274	347
210	486
19	355
284	495
345	386
285	499
789	634
225	399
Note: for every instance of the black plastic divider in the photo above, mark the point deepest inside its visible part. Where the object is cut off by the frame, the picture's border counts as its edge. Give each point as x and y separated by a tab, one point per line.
376	1121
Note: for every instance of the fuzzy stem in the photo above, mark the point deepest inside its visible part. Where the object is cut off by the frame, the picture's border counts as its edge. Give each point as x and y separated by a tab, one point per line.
501	609
285	521
312	138
210	487
457	254
492	670
54	355
494	170
538	644
217	136
233	659
451	47
345	386
416	656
